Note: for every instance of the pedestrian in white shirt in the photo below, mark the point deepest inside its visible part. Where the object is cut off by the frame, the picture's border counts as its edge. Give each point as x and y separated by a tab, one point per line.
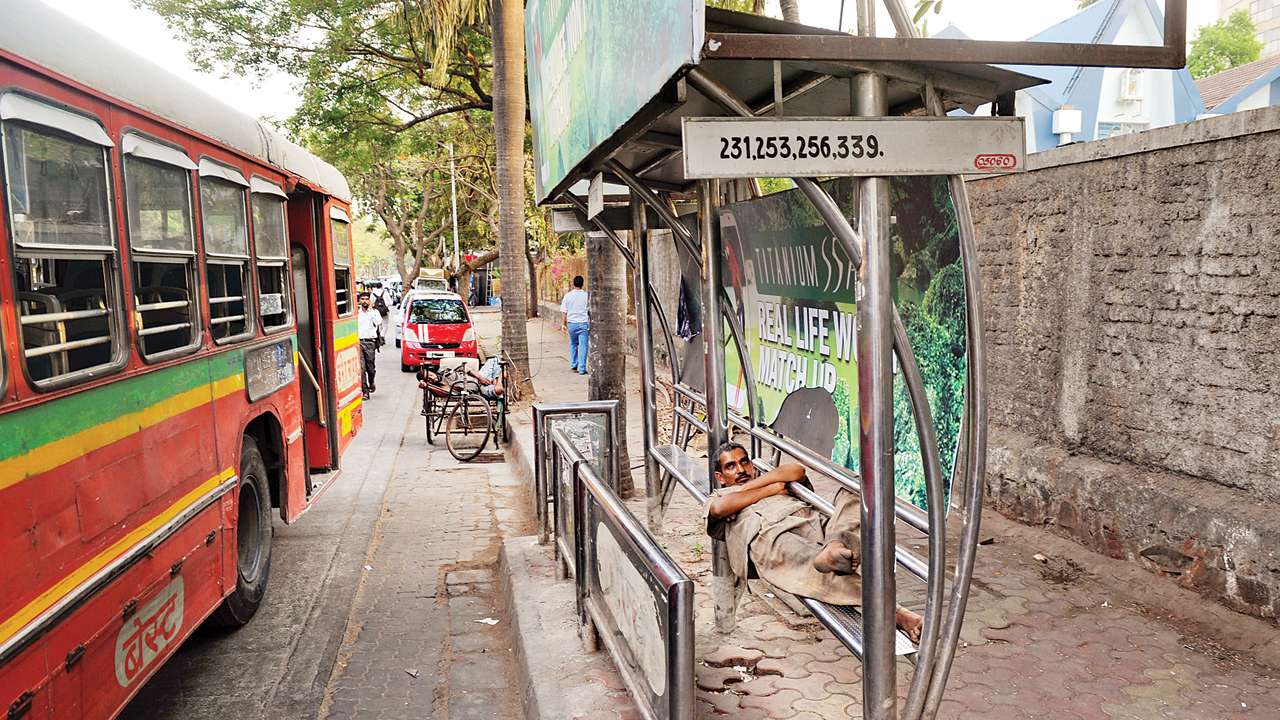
370	324
577	322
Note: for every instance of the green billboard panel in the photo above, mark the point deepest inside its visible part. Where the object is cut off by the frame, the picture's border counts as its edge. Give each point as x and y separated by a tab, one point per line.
593	64
793	286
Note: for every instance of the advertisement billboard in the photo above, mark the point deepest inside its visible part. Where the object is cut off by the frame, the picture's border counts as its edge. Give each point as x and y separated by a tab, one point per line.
792	287
593	65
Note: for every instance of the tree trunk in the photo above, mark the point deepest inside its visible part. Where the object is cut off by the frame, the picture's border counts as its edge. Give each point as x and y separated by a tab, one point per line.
533	282
607	339
790	10
508	122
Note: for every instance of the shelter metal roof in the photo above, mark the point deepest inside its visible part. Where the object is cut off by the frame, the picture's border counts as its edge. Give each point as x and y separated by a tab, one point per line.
650	144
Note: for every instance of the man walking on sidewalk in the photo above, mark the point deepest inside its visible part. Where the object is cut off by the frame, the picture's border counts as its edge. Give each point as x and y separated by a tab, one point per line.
370	324
576	321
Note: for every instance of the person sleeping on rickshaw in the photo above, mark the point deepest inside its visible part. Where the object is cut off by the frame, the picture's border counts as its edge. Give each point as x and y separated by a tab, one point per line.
785	540
488	378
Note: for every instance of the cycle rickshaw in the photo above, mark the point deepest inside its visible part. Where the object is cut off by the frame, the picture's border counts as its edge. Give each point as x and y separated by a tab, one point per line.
463	409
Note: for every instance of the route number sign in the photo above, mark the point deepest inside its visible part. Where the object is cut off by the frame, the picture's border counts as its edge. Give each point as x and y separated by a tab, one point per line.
828	147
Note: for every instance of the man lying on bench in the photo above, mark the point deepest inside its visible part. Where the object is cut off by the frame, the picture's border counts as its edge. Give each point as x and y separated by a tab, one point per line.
790	544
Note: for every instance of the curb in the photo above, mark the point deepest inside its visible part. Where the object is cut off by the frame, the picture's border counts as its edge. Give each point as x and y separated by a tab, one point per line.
530	635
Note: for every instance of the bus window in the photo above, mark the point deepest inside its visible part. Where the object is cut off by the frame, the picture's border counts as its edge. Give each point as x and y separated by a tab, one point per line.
161	234
59	202
226	248
271	248
340	234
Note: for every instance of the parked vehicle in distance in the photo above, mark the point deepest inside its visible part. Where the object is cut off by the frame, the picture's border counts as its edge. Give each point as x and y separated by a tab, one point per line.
432	279
436	325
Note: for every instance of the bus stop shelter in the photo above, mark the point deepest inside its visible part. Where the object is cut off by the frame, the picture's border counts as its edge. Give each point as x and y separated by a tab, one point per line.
837	324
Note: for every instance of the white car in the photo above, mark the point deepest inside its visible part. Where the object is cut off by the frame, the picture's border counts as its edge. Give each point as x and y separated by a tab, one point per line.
405	303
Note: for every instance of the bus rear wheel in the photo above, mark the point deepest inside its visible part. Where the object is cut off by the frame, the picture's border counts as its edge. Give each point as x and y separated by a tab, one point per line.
253	541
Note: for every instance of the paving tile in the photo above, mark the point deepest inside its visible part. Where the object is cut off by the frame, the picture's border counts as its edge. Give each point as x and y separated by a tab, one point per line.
729	655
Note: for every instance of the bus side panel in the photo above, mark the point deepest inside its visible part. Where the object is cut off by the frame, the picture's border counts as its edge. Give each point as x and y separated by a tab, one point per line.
24	681
296	472
88	487
232	414
130	628
346	345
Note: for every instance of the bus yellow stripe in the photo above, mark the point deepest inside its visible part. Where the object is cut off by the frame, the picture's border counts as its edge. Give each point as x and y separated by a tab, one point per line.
63	450
345	341
51	596
344	416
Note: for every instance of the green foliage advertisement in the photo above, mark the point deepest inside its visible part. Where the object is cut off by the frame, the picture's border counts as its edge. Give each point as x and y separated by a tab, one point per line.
593	65
792	287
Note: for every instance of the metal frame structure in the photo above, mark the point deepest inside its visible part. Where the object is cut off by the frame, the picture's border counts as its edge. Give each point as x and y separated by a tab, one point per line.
662	688
909	48
542	414
873	77
595	504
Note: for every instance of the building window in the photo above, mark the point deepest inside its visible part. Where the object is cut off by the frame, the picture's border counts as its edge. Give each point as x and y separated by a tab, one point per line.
271	247
226	247
65	268
157	183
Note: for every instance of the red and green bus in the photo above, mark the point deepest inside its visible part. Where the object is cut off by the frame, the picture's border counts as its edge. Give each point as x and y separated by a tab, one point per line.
178	361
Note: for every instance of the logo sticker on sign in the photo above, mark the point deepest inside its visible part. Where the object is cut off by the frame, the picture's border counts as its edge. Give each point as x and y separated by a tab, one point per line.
995	161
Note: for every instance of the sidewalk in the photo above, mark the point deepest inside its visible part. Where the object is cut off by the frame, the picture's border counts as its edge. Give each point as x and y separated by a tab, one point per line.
1076	636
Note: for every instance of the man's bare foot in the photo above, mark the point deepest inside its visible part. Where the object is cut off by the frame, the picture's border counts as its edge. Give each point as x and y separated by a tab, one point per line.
836	558
909	623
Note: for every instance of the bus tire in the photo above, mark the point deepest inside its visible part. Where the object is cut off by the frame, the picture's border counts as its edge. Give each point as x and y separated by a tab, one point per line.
253	541
397	342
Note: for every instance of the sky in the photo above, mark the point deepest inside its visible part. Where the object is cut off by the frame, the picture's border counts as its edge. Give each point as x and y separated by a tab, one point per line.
145	33
276	97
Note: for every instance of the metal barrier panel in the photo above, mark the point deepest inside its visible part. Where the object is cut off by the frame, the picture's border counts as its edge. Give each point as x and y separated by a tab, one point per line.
637	599
595	436
565	461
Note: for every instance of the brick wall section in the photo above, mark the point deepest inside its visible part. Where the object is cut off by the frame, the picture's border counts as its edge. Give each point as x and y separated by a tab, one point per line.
1133	320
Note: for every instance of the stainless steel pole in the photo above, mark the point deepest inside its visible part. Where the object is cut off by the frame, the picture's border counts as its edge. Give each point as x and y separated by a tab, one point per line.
875	411
722	580
644	325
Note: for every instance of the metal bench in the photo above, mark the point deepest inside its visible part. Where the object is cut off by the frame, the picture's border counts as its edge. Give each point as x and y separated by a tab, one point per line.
844	621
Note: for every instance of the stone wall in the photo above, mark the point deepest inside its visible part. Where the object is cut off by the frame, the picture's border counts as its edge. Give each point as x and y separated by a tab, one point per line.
1133	320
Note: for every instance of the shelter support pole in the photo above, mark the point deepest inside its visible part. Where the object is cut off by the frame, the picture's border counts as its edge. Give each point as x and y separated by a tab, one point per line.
974	433
722	580
644	325
875	413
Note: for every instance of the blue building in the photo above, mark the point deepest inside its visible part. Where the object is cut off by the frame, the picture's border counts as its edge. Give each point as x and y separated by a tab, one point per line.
1088	103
